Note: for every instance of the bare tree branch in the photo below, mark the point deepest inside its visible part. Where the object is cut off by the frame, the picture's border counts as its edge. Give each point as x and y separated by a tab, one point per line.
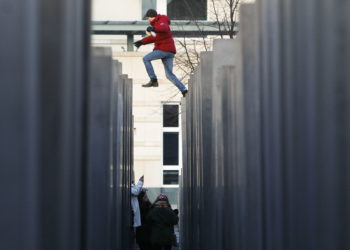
217	18
225	14
184	45
196	23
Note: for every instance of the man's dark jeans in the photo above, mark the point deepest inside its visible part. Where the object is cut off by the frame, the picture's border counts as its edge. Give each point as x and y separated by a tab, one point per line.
167	60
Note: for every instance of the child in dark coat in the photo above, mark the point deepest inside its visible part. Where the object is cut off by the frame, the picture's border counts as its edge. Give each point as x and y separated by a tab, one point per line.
162	219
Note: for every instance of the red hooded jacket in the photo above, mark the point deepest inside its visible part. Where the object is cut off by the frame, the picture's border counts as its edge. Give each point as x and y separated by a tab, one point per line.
164	37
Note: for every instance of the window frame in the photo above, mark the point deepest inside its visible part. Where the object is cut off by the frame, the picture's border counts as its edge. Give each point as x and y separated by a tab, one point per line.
143	11
171	129
178	120
171	185
205	19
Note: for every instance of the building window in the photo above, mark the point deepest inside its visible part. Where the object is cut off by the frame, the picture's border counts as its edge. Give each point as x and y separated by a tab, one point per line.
170	148
146	5
171	144
171	177
187	9
170	115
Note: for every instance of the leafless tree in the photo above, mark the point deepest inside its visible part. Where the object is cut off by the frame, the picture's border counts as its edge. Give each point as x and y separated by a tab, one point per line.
225	14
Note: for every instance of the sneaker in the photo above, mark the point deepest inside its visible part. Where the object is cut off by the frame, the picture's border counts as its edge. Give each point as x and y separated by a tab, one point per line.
184	92
151	83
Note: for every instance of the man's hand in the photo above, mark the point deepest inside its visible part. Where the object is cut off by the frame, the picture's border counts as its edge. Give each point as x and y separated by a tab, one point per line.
141	178
138	43
150	28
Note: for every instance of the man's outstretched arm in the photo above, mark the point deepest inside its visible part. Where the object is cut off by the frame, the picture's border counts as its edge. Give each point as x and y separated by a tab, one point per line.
136	189
148	39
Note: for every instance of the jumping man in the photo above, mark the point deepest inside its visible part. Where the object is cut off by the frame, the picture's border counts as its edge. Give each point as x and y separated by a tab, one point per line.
164	48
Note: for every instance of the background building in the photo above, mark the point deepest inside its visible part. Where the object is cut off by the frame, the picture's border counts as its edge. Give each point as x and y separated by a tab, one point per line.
157	132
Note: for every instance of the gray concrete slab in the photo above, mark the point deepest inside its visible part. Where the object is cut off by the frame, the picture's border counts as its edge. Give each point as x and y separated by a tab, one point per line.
42	92
19	144
207	240
224	54
270	21
252	122
99	160
278	132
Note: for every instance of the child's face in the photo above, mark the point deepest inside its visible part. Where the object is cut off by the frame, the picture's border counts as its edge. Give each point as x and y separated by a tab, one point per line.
150	19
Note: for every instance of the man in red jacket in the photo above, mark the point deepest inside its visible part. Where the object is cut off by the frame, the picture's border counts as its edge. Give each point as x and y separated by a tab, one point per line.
164	48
